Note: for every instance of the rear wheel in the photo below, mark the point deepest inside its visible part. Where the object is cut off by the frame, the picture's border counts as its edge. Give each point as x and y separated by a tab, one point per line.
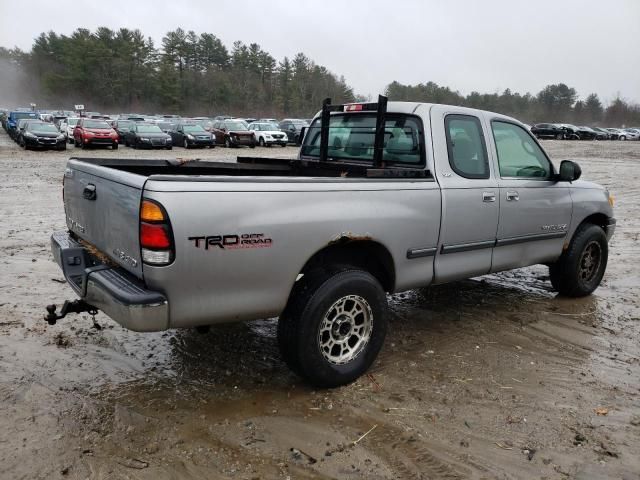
334	325
579	271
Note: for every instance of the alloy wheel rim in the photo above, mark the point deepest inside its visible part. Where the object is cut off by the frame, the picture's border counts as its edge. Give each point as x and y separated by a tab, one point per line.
590	261
345	329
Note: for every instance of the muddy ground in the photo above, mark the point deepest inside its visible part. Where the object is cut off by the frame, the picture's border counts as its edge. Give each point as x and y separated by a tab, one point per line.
494	377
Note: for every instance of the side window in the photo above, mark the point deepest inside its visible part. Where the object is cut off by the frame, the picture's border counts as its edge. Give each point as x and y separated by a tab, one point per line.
518	154
466	146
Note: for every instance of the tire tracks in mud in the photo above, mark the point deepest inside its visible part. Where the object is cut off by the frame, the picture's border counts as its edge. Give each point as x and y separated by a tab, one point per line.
412	459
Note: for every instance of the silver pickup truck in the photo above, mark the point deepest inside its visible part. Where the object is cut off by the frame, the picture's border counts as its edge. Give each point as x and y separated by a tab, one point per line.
384	197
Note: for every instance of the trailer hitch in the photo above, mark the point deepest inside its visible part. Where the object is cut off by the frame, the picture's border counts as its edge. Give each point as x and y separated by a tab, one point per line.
74	306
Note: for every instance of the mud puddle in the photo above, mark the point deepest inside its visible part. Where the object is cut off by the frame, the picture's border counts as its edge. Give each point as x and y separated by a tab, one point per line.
489	378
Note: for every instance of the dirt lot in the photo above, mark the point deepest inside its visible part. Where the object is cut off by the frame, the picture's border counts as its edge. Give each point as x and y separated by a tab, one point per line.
490	378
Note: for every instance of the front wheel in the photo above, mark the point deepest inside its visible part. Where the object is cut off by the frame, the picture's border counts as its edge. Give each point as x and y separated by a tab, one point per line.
559	136
334	326
622	137
227	142
261	142
579	270
186	143
114	146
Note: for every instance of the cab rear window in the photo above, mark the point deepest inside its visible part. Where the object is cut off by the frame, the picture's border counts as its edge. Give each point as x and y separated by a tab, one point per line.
351	137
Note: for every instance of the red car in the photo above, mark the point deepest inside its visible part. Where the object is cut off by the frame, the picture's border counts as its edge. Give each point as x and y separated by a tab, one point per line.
233	133
89	132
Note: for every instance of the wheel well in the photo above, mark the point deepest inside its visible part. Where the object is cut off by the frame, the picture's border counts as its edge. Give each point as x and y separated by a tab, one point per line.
365	254
599	219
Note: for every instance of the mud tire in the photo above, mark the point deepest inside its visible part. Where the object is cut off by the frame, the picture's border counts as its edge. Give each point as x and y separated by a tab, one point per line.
311	299
565	274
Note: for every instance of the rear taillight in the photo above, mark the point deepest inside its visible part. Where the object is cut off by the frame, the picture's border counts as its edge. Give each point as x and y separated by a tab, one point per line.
156	237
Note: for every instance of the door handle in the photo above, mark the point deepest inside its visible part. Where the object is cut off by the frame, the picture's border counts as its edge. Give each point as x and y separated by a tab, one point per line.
513	197
488	197
89	192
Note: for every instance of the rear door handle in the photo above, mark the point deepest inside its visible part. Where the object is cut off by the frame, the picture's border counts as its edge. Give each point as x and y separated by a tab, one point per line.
488	197
513	196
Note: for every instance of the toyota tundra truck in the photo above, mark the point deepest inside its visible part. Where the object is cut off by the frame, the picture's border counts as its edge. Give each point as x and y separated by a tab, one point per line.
383	197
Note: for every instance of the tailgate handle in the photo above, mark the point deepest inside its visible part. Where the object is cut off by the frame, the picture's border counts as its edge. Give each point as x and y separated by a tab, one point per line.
89	192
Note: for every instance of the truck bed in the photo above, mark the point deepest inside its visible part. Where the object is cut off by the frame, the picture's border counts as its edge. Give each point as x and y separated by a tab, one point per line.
253	167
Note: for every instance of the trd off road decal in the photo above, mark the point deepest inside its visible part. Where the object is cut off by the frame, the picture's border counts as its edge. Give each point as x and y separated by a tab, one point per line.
232	242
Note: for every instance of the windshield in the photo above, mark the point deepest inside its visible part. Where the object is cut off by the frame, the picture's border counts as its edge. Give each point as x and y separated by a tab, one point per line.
72	122
42	128
194	129
95	124
263	127
20	115
204	123
148	129
351	137
125	124
235	126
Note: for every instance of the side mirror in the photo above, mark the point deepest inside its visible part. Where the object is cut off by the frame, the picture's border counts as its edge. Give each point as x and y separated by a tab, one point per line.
569	171
300	137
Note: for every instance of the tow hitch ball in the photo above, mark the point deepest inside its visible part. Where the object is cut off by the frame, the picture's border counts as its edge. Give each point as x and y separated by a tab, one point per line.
75	306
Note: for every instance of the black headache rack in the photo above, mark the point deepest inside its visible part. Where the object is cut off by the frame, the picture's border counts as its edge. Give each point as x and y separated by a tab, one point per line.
379	168
381	111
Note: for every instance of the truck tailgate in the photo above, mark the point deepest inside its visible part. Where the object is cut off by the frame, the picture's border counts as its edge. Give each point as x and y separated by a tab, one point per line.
102	207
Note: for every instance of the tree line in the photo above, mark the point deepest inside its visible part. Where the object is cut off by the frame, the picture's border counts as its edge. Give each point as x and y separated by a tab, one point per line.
196	74
556	103
188	73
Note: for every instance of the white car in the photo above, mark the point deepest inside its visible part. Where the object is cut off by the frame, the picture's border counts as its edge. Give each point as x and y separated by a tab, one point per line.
268	134
67	126
631	134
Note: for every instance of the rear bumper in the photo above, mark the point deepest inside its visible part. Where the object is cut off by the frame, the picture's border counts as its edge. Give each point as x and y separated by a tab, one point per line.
117	293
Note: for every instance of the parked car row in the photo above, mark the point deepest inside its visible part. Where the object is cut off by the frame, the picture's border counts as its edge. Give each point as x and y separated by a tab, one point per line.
566	131
89	129
144	131
30	132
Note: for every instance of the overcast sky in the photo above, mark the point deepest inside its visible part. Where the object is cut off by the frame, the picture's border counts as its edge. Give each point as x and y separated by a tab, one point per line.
488	45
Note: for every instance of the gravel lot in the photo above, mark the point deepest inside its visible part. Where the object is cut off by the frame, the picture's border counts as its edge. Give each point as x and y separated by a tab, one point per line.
494	377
